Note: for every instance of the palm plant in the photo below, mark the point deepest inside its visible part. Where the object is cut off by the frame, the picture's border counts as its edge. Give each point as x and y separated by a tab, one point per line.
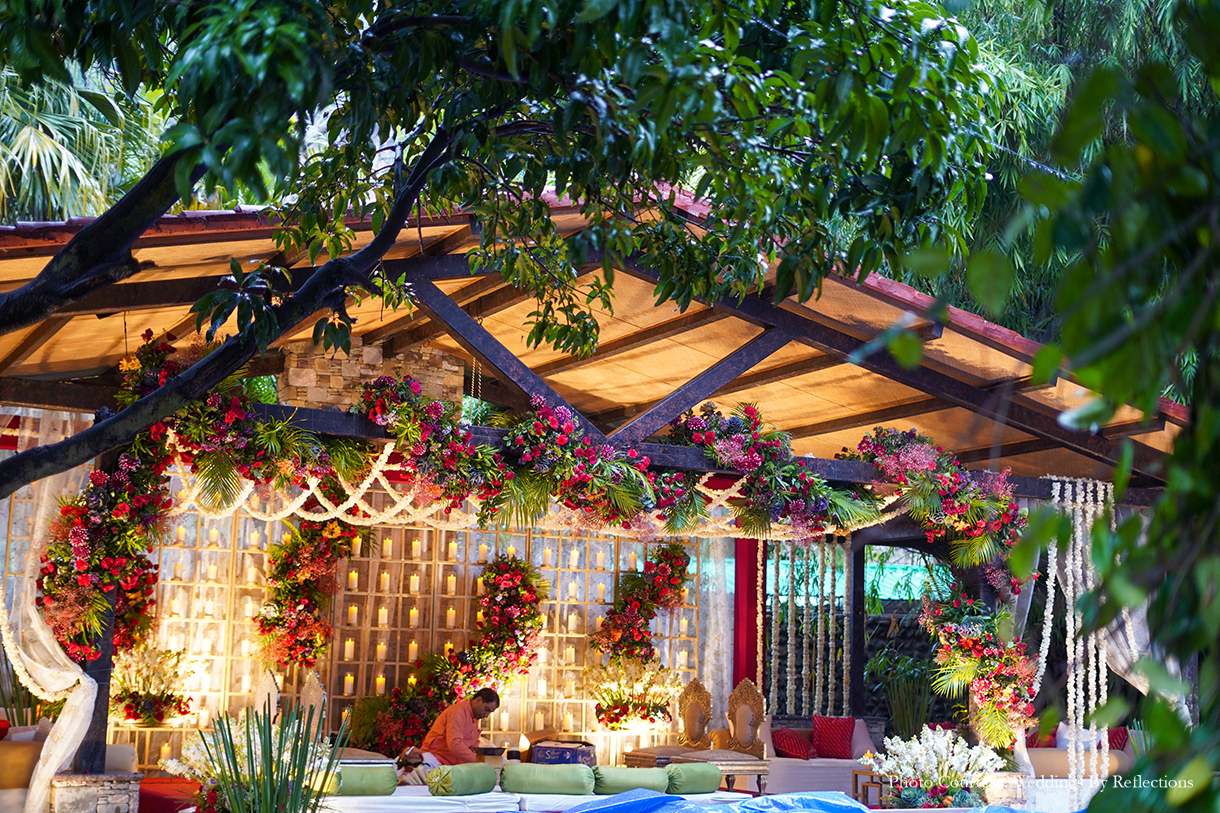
908	690
21	706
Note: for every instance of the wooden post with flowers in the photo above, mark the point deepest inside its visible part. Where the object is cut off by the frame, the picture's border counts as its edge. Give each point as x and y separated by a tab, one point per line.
91	757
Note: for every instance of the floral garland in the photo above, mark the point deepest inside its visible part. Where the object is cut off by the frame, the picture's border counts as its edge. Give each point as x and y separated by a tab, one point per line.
506	650
625	633
973	655
632	694
292	625
145	686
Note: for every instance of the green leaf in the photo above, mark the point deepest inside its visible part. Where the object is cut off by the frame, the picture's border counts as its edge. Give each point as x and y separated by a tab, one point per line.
926	262
989	274
907	349
1192	780
1046	364
594	10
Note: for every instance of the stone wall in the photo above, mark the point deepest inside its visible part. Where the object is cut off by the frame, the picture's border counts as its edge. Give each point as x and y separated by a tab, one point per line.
317	380
95	793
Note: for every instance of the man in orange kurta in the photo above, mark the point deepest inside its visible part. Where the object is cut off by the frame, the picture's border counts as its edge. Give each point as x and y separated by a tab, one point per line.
455	734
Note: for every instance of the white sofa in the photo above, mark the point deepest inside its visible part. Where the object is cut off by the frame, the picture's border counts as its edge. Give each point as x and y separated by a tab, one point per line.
789	775
19	756
417	799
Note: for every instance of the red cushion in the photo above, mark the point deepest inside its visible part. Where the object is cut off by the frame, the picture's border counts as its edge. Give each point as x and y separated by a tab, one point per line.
1118	738
790	744
1045	741
832	736
4	724
942	726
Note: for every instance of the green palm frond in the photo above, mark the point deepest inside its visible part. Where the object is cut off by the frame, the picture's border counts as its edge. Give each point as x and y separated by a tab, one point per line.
991	724
954	678
349	457
848	511
685	514
974	551
526	499
218	480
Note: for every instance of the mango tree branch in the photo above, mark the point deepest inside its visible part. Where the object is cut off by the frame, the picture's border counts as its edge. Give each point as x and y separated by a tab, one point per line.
99	254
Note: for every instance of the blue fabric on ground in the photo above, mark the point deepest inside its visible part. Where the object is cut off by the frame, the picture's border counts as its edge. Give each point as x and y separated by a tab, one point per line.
825	801
640	800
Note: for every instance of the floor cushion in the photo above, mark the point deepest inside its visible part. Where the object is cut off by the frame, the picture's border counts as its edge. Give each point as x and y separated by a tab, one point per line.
367	780
692	777
788	743
461	780
570	780
608	781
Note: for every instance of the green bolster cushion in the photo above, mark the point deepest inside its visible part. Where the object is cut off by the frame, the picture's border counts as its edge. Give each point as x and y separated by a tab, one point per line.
692	777
565	780
461	780
367	780
609	781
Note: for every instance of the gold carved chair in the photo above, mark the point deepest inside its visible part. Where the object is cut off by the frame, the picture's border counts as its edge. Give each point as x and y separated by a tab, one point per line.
744	754
695	711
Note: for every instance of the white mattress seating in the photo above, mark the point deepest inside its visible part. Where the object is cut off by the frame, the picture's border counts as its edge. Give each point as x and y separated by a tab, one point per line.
417	799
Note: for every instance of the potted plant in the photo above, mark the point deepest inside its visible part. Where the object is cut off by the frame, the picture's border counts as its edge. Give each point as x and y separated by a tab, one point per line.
145	686
908	689
937	769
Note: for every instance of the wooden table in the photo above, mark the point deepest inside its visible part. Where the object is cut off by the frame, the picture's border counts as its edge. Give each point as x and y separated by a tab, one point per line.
732	768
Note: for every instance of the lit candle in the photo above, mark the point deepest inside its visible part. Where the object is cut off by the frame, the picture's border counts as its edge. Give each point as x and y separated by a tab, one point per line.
353	615
541	686
682	659
452	551
478	587
545	619
349	649
205	646
182	495
570	688
504	720
209	607
631	561
574	558
380	683
572	590
482	553
546	557
682	627
251	574
512	550
249	610
349	683
353	580
213	536
383	616
245	684
478	618
357	545
573	623
451	584
450	618
171	643
181	533
538	721
601	560
205	717
178	569
255	537
601	593
685	595
165	752
385	581
543	654
414	583
597	624
567	721
245	647
569	655
212	572
387	548
381	650
413	619
412	652
414	548
411	681
448	648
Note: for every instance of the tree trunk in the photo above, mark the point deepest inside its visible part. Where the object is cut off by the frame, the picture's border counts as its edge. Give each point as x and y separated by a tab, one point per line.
91	758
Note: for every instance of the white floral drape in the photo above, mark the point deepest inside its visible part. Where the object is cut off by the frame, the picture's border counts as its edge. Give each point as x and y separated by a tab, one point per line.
716	621
40	663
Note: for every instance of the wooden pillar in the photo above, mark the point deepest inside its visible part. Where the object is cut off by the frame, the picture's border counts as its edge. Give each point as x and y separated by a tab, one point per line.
745	611
91	757
857	623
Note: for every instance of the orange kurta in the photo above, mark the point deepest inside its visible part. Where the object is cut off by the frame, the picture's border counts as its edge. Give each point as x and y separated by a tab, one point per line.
454	736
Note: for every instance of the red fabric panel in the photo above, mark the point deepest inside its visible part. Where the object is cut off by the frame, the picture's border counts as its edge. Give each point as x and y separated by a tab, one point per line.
790	744
1034	741
832	736
745	610
1118	738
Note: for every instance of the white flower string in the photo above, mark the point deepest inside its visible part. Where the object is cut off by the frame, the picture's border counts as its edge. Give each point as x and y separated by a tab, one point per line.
791	706
1069	599
806	642
847	582
819	665
774	693
832	597
760	572
1048	616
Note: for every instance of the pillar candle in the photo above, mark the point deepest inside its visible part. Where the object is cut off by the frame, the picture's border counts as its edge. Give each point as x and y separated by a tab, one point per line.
353	580
205	646
601	560
572	590
380	683
512	550
209	607
165	752
412	652
381	650
598	624
541	686
452	551
631	561
546	557
478	618
413	619
601	593
478	587
387	548
383	616
245	647
251	574
569	655
567	721
245	684
573	623
482	553
171	643
178	569
212	572
353	615
414	583
204	718
574	558
349	683
213	536
450	618
683	626
414	548
256	537
538	721
357	545
349	649
249	610
451	584
682	659
181	534
543	654
685	595
448	648
545	619
411	681
569	688
504	720
385	581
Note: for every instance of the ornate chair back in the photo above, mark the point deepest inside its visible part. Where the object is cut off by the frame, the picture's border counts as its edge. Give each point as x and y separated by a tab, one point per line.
747	712
695	710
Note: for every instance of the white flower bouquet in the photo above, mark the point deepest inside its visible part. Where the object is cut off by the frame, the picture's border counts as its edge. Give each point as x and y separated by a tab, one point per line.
935	769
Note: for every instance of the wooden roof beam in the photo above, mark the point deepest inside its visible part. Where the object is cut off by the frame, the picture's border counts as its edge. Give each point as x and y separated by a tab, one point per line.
42	333
641	338
66	395
1034	445
502	298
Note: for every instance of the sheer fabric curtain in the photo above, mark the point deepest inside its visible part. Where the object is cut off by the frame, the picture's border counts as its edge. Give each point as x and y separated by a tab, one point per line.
40	662
716	622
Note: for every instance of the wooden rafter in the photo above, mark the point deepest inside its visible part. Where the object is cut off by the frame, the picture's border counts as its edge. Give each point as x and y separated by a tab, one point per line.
1034	445
462	296
42	333
503	298
640	338
60	395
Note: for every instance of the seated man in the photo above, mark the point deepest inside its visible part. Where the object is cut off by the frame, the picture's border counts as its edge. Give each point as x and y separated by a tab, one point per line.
454	736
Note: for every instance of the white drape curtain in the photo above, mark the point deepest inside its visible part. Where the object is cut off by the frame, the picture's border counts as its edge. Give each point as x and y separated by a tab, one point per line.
716	622
40	662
